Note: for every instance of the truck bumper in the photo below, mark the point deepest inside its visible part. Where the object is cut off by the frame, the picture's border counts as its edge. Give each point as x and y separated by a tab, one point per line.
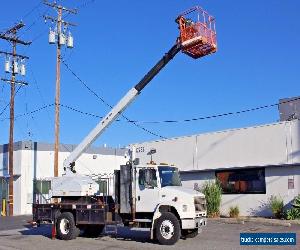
193	223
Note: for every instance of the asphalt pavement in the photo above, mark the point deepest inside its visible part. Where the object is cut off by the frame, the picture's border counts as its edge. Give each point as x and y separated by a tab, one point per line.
15	234
14	222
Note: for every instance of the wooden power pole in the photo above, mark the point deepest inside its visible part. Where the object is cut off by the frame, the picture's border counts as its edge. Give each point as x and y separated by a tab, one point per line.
60	41
11	36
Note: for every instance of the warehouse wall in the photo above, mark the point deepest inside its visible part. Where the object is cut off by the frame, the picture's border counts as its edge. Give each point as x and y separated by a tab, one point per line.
35	161
271	144
253	204
198	156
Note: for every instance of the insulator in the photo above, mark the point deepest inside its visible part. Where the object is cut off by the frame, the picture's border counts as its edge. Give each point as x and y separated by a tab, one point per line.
15	67
7	66
70	42
52	38
22	70
62	39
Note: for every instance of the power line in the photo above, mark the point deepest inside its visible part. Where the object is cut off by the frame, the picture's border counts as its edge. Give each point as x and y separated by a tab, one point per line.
107	104
191	119
37	19
32	10
85	85
226	114
7	105
162	121
30	112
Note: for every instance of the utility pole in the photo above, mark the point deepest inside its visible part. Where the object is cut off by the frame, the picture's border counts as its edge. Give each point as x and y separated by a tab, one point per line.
59	37
11	36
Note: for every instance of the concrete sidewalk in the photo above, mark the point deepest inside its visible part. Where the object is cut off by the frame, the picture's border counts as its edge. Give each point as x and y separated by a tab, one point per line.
259	220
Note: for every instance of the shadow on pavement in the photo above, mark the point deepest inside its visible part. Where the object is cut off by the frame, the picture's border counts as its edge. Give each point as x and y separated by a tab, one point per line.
133	234
43	230
124	233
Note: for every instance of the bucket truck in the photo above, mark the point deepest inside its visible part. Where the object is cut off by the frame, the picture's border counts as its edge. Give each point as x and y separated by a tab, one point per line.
149	196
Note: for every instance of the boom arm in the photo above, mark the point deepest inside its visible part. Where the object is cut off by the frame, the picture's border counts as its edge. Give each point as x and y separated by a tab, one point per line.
69	163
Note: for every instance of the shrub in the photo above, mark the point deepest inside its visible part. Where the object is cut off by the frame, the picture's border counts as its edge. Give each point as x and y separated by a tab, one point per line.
213	194
276	205
296	202
234	212
292	214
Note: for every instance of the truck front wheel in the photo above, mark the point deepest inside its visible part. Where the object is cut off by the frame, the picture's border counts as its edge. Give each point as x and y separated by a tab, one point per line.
167	229
65	227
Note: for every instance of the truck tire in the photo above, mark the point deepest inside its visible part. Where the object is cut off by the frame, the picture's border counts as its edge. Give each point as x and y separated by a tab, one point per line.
65	227
189	233
167	229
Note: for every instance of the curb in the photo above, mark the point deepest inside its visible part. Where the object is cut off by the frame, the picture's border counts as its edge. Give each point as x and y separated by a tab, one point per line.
264	221
229	220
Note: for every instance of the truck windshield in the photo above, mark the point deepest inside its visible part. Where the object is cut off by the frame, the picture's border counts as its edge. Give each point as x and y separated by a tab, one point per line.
169	176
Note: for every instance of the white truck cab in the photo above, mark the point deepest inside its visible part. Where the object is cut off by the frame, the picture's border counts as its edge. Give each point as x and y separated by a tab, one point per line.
159	191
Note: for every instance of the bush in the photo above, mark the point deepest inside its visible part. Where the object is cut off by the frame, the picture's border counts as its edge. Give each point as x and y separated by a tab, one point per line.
213	194
276	205
234	212
296	203
292	214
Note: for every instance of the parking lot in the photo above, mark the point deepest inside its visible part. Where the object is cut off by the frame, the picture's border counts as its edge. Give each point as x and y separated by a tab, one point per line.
17	234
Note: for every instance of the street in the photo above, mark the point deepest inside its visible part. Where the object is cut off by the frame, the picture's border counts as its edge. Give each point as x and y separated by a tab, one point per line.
17	234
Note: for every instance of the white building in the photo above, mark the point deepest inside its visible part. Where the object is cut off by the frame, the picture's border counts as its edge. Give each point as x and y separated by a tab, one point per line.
34	161
251	163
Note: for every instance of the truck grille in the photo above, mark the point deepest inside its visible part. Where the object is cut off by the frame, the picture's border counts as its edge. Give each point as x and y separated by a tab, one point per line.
200	204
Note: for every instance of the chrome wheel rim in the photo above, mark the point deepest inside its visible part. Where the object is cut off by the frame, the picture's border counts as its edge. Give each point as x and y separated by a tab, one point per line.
167	229
64	226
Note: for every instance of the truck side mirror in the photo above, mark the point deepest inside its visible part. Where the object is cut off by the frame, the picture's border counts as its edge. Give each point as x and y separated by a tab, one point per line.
136	161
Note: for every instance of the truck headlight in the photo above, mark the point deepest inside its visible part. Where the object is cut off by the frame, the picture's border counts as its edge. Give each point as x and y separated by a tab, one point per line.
184	208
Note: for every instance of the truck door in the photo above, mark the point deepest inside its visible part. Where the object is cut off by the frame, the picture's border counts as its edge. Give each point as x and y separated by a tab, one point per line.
147	192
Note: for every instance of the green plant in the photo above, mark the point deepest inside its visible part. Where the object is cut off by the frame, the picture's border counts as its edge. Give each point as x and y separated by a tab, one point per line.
234	212
292	214
213	195
276	205
296	202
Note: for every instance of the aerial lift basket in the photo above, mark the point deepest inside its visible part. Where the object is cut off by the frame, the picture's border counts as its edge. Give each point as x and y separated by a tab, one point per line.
197	32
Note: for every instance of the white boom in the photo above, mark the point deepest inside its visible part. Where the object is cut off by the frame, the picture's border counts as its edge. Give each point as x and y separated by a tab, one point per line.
99	129
69	163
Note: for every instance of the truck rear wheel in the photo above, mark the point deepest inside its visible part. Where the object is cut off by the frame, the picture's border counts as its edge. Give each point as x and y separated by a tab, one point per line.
65	227
167	229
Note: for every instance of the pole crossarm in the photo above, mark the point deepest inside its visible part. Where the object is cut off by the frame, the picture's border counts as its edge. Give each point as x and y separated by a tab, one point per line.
62	21
14	28
14	39
16	55
54	5
14	81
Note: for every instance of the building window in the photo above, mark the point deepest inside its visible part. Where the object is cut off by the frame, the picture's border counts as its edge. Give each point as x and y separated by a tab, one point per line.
41	186
242	181
103	186
291	182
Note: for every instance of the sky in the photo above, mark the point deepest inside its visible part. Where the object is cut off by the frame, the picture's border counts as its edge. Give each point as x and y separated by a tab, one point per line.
117	42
